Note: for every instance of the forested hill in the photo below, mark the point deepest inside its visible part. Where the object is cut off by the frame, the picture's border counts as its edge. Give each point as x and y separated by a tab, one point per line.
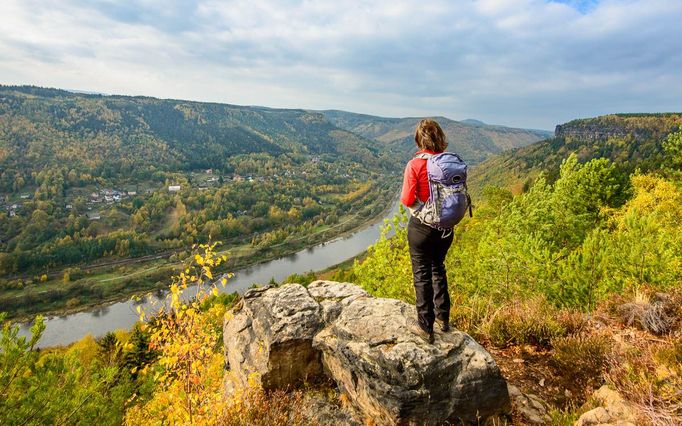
629	140
87	178
119	135
473	140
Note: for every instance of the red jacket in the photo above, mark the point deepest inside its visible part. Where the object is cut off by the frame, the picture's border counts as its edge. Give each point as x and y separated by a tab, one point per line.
416	181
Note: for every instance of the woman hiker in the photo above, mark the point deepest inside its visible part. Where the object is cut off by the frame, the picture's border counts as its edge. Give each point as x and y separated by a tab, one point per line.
428	246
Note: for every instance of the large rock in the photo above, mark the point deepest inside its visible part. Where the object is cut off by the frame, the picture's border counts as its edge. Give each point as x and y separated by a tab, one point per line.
281	337
395	377
268	337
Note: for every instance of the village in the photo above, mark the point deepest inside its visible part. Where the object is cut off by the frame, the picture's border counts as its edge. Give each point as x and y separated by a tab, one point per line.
92	201
100	198
201	180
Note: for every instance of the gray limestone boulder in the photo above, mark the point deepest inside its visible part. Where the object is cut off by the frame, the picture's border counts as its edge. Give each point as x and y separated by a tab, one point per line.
268	336
281	337
395	377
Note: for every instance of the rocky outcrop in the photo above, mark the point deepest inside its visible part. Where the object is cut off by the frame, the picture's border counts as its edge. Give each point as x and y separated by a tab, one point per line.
280	337
613	410
598	131
529	407
620	126
394	376
268	338
333	297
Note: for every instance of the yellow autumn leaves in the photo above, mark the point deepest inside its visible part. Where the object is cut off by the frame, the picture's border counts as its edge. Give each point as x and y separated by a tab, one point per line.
188	371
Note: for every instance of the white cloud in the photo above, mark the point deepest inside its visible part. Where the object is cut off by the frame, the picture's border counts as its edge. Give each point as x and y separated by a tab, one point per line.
518	62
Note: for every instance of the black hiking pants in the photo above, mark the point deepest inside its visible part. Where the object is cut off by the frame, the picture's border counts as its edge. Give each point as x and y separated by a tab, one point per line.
427	252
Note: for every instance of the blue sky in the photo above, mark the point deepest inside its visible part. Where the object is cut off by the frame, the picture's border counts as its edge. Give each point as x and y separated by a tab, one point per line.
527	63
583	6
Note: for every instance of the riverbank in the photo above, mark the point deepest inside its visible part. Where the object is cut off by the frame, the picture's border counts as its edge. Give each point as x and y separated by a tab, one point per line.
122	315
152	277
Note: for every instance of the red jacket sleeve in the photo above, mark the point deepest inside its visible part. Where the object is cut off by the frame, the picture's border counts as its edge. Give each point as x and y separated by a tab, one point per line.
409	193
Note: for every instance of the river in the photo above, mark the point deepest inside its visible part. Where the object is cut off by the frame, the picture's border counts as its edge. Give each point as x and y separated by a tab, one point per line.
66	329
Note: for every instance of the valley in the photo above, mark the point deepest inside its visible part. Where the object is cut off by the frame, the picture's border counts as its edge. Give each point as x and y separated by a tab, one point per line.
574	243
201	218
104	196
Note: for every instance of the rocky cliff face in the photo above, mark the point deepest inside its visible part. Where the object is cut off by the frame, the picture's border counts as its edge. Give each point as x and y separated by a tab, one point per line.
633	126
280	337
599	131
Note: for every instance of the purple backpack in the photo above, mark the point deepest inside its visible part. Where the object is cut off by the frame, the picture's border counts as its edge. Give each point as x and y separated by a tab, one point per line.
448	200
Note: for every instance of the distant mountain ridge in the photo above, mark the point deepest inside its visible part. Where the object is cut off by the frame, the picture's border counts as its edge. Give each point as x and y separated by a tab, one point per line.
114	135
630	140
473	122
472	139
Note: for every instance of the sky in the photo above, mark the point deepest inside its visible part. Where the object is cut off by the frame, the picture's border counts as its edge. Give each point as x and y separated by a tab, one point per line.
522	63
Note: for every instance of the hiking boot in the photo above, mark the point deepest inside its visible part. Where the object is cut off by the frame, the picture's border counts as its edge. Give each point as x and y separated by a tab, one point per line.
424	334
443	324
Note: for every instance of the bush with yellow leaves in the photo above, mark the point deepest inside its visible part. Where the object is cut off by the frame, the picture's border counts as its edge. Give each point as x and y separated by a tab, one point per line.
188	371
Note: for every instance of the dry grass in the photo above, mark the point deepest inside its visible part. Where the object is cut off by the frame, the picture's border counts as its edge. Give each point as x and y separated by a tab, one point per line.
469	314
634	344
649	375
656	314
259	408
532	321
581	359
647	368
